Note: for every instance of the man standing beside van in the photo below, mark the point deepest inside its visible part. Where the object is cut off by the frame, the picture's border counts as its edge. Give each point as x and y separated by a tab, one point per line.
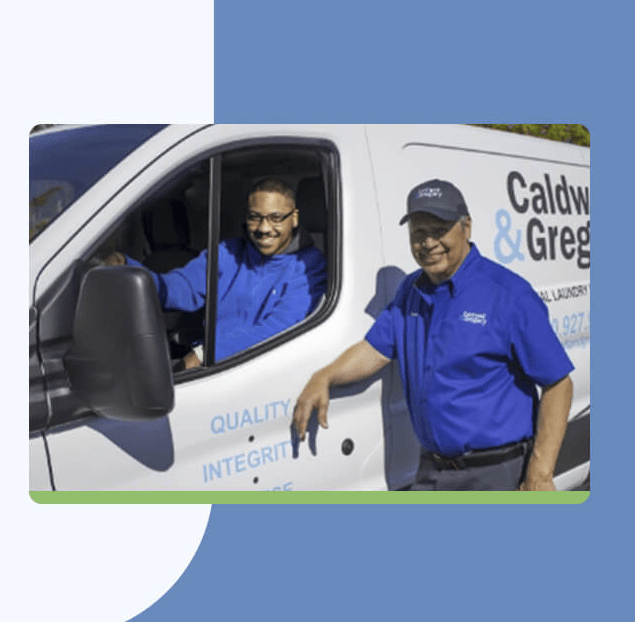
473	341
267	281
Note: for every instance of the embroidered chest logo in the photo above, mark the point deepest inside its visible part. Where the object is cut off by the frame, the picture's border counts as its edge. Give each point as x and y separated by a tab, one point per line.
474	318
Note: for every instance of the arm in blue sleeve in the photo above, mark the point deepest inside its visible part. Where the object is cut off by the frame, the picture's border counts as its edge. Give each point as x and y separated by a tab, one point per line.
383	334
181	289
538	349
300	297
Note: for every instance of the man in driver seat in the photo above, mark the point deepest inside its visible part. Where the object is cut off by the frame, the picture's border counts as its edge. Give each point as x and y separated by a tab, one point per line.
268	280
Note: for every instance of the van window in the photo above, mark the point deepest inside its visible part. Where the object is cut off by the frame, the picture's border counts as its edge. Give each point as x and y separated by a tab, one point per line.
64	164
196	223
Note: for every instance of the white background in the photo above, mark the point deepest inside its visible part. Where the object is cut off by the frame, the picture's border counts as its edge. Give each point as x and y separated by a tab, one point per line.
74	61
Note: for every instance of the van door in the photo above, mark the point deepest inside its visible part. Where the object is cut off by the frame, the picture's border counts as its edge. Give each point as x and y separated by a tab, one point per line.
230	427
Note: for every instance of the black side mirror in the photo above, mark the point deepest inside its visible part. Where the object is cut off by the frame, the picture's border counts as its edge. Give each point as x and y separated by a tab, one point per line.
119	362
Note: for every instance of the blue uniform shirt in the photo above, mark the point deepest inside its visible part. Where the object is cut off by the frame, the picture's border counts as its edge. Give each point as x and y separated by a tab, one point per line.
258	296
471	351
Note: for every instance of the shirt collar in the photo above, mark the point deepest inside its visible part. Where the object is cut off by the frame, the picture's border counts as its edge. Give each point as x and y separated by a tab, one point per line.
463	275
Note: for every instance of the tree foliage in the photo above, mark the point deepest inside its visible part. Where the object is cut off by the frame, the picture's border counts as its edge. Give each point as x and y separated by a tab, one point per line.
567	133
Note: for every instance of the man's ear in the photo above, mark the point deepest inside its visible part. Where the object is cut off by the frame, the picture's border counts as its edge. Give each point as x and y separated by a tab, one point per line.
466	223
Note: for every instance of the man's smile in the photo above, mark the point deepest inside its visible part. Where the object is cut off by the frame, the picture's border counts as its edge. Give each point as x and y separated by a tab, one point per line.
265	240
431	257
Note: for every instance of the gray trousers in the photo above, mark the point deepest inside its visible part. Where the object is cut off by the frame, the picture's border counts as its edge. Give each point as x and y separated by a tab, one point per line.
503	476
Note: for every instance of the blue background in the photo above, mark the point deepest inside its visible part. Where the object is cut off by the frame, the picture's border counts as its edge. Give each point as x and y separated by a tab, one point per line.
351	62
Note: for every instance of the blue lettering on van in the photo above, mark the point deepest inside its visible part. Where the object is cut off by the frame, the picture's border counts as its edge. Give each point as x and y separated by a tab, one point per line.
249	416
579	341
503	222
285	486
573	329
246	420
239	463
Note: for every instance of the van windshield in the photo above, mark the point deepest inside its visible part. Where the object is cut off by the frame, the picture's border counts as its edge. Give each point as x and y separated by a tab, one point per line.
63	164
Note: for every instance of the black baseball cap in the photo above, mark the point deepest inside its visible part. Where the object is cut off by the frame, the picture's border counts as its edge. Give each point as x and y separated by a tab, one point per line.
439	198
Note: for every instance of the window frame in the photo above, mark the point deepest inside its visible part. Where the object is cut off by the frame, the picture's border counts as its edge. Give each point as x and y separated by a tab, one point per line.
330	170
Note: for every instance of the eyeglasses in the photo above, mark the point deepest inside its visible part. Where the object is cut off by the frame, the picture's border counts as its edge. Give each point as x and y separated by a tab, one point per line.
273	219
421	234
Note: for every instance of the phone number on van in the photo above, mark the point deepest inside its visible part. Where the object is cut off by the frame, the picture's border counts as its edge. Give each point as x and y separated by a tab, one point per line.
573	329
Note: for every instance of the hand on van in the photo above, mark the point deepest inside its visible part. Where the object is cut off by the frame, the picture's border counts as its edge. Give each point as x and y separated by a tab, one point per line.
315	395
358	362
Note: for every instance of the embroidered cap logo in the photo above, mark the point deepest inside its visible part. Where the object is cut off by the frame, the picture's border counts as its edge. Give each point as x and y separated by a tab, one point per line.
430	192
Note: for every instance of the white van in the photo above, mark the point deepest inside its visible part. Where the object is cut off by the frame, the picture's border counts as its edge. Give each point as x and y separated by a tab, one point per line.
109	411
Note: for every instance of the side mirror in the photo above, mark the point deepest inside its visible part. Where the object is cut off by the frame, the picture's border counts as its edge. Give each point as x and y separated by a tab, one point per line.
119	362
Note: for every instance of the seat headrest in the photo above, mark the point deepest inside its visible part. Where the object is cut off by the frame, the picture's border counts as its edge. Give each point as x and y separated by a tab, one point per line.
311	203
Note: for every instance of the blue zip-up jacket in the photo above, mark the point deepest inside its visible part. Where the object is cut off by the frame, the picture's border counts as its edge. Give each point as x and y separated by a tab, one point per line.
258	296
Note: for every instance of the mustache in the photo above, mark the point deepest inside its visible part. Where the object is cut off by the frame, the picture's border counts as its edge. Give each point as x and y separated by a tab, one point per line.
259	235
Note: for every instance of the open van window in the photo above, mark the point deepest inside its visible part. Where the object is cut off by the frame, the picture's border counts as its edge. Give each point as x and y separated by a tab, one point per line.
201	213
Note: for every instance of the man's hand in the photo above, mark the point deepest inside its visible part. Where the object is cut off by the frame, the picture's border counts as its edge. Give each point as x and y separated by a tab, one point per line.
191	360
358	362
314	395
552	424
115	259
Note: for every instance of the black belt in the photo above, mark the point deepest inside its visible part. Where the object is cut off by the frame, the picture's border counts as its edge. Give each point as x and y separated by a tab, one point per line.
481	457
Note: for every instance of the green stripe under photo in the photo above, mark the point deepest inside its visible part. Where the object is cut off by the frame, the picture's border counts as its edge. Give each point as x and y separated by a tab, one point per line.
298	497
